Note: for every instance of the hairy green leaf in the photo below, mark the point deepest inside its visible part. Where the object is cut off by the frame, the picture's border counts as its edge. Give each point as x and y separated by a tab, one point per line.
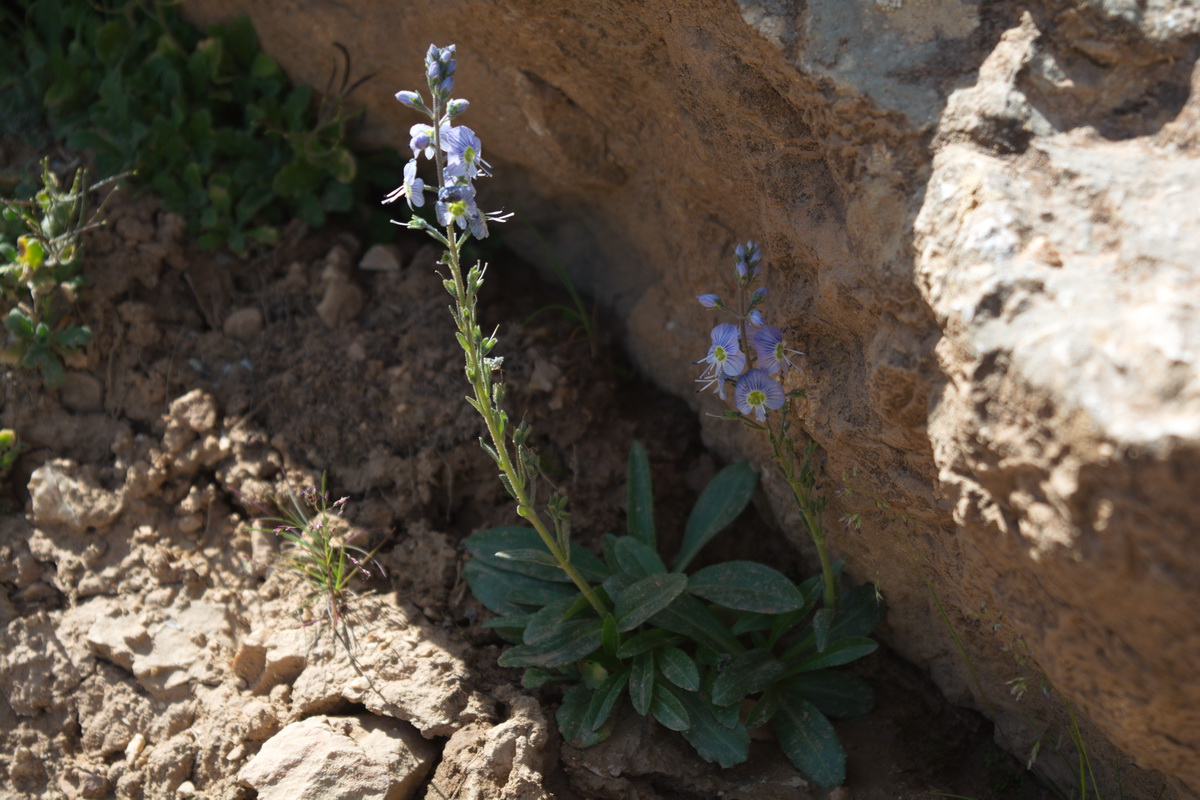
639	503
689	617
746	586
678	667
714	741
636	558
809	741
502	591
641	682
646	641
836	694
606	698
750	672
642	600
720	504
570	642
667	709
572	717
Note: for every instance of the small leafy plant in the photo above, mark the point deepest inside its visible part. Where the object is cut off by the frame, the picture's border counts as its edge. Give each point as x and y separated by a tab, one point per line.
712	654
41	274
209	121
319	546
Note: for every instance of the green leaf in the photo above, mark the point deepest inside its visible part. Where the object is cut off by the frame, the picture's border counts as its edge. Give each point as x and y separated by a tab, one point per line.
712	740
549	620
485	544
542	556
19	324
668	710
52	372
750	672
809	741
636	558
510	627
839	652
821	623
534	678
836	694
612	635
720	504
746	586
647	597
691	618
572	717
763	710
859	611
646	641
677	667
606	697
502	591
71	338
639	497
112	41
263	66
641	682
570	642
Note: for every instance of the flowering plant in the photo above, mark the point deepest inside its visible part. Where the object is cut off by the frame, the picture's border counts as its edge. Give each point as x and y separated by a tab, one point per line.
710	654
753	356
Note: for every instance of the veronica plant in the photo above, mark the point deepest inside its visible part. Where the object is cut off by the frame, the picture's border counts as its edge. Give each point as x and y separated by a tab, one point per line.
751	356
41	273
712	654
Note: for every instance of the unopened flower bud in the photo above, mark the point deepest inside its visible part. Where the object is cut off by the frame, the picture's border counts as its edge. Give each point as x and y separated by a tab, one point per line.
411	99
456	107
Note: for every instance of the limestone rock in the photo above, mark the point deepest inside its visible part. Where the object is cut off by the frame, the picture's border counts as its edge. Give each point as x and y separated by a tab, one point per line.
62	493
367	757
243	323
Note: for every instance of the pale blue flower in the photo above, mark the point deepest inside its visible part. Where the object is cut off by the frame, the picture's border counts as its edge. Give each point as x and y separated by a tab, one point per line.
725	358
413	188
464	153
421	141
709	300
456	107
758	295
772	352
756	318
756	392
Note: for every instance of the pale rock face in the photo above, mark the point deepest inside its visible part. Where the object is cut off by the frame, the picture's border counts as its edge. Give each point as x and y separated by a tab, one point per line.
362	757
979	225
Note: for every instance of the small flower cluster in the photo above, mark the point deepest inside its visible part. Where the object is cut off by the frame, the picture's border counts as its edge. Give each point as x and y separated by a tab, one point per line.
456	150
747	342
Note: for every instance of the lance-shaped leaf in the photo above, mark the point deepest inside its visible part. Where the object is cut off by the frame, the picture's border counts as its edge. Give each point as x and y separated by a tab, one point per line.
549	620
646	641
842	651
667	708
500	591
746	586
750	672
678	667
572	717
639	502
859	611
606	697
720	504
836	694
642	600
636	558
569	643
714	741
488	543
689	617
809	741
641	682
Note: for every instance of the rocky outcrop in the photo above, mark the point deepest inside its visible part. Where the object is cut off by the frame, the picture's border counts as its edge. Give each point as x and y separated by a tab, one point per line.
977	219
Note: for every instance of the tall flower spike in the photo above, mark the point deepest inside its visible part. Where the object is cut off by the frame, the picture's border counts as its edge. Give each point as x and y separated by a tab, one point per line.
725	359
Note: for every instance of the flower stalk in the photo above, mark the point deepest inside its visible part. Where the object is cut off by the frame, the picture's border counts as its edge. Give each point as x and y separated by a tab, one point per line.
457	155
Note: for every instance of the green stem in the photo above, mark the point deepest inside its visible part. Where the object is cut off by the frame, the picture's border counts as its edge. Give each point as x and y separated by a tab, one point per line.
479	372
802	492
